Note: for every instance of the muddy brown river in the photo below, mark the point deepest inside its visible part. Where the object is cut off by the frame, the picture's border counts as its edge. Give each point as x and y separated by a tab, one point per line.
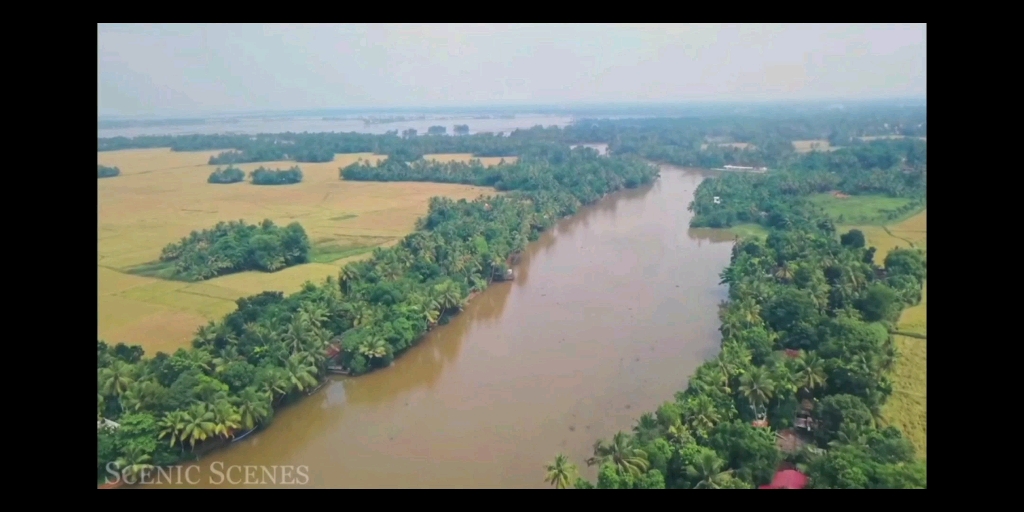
610	313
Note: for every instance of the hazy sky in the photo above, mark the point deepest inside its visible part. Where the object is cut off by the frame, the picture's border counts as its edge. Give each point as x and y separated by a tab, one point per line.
190	69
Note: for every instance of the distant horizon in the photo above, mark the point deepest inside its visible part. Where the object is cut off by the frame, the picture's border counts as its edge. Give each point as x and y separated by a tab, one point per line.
524	108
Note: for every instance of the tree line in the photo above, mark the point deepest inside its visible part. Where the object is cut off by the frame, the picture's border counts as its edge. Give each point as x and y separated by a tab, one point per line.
259	176
895	168
264	176
108	172
695	141
230	174
231	247
274	348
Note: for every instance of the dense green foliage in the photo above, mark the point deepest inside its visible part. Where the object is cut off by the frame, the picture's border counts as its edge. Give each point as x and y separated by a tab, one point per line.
264	176
235	247
778	198
273	348
687	141
108	172
578	170
230	174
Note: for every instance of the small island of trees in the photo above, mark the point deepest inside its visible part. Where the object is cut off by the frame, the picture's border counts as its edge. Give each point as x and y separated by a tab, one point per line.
235	247
231	174
264	176
108	172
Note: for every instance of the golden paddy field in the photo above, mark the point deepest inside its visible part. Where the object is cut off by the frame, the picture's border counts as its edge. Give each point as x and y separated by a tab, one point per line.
162	196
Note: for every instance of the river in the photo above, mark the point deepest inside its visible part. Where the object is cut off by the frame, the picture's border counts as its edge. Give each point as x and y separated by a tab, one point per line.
610	313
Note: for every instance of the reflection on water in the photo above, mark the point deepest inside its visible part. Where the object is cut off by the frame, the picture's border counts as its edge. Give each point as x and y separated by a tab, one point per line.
609	314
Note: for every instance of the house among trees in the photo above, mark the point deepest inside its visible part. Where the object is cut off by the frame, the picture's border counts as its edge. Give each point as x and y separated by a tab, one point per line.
787	479
718	200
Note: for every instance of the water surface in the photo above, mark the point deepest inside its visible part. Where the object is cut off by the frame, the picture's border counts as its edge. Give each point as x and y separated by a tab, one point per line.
610	313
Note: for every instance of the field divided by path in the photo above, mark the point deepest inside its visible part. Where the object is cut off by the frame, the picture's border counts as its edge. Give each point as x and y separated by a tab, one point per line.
163	196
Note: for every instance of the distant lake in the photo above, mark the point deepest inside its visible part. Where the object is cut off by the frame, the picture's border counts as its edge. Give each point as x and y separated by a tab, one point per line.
314	124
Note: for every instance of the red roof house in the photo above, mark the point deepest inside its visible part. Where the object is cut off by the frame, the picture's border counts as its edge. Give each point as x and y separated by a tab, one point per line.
787	479
333	350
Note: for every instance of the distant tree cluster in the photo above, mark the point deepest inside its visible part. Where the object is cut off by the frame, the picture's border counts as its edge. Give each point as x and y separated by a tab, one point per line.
461	129
575	171
437	130
231	174
108	172
895	168
264	176
236	247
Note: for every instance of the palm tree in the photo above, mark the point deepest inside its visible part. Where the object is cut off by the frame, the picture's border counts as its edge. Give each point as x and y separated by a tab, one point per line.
811	372
199	424
679	434
276	383
133	462
296	333
758	388
253	407
733	359
784	272
707	470
301	374
561	473
172	425
138	395
199	359
374	346
226	418
701	414
621	453
116	378
646	427
347	278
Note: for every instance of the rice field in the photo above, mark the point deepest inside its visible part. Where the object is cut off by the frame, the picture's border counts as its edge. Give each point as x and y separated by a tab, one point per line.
869	209
908	233
162	196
